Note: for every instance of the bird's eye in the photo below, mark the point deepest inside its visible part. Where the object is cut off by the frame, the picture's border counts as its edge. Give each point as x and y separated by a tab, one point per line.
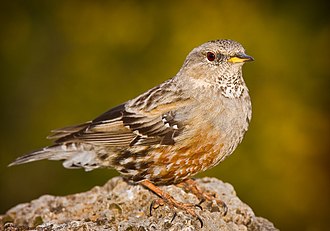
210	56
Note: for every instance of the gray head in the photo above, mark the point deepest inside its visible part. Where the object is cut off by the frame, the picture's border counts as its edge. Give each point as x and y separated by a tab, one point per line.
217	63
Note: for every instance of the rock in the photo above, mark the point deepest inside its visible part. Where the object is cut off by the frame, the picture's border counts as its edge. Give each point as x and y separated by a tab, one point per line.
119	205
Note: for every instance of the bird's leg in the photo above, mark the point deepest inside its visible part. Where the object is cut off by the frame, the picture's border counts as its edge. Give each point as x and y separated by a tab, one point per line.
166	198
191	186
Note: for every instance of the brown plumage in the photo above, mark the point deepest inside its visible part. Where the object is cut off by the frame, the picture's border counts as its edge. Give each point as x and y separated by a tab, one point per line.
171	132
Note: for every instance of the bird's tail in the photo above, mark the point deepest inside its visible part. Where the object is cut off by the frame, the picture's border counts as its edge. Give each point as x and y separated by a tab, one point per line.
73	156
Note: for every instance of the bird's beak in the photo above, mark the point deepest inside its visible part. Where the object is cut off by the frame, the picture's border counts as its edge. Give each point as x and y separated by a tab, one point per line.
239	58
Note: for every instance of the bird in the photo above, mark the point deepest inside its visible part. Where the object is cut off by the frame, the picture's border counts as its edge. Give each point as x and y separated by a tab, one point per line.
184	126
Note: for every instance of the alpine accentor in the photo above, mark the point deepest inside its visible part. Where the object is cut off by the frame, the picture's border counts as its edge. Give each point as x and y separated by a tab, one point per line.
184	126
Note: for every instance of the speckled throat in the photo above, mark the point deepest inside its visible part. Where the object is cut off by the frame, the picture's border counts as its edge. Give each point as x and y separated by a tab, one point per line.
233	86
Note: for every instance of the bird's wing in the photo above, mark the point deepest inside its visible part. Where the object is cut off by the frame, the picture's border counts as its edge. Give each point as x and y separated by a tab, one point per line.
148	119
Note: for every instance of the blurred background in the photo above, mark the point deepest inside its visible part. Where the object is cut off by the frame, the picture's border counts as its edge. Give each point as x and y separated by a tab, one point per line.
66	62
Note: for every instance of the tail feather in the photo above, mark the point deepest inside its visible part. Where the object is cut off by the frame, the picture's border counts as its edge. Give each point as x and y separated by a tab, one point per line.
50	153
74	156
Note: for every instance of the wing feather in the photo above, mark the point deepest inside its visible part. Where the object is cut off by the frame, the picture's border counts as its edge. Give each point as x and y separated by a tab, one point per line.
148	119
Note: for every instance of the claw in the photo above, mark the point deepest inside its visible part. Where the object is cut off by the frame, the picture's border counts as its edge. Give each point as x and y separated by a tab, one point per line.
151	207
201	221
198	206
225	208
174	216
201	201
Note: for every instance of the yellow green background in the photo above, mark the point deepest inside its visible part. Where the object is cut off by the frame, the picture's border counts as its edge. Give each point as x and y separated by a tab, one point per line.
65	62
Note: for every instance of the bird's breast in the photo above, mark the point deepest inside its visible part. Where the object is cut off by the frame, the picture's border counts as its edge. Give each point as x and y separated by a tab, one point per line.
211	133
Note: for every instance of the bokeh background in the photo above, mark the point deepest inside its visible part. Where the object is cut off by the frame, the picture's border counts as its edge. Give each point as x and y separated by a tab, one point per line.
65	62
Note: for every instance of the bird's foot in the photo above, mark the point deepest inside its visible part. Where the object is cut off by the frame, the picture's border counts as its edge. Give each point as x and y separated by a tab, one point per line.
167	199
190	185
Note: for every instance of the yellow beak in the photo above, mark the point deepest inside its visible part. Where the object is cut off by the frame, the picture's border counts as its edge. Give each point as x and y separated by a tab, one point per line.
239	58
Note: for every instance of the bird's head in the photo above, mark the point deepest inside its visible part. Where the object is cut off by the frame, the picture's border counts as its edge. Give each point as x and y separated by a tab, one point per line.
216	63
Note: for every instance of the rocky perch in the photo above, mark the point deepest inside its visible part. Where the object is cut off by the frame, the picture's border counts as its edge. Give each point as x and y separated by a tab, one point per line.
119	205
